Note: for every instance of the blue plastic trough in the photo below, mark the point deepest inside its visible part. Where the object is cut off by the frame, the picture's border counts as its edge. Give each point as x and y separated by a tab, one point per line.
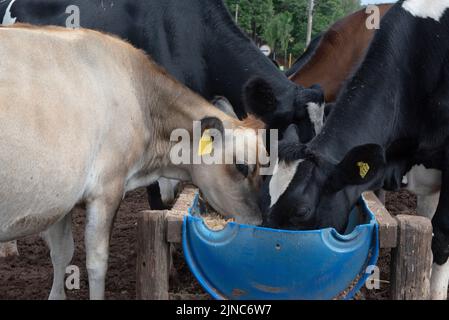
244	262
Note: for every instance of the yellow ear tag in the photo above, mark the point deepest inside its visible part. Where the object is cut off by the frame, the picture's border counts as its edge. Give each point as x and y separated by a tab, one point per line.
364	169
206	144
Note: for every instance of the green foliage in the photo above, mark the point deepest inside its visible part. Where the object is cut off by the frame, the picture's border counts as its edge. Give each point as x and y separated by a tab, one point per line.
286	28
282	24
350	6
253	14
278	31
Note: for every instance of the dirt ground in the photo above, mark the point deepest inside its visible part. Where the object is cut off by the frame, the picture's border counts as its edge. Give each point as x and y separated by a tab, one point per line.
30	275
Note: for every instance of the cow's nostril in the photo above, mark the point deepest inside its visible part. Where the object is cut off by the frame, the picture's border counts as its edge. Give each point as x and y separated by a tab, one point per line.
301	216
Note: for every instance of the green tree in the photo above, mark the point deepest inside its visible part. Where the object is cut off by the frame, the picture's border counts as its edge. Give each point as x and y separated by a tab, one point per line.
271	32
298	11
278	22
278	32
253	14
350	6
285	29
326	12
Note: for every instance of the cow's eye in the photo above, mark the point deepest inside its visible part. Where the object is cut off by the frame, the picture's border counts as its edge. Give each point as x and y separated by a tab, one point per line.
243	169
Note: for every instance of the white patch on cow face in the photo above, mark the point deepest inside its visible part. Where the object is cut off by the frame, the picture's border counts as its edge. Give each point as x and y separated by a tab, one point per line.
316	115
282	177
433	9
8	19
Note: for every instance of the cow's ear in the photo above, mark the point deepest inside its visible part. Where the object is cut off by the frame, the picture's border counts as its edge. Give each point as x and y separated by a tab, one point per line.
290	147
211	123
291	135
212	130
259	98
360	166
224	105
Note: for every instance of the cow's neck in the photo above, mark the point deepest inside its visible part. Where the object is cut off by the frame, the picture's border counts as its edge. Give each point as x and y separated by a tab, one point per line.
233	59
387	97
168	106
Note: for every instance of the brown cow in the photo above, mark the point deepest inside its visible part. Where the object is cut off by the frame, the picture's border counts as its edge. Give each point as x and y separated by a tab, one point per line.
340	50
85	118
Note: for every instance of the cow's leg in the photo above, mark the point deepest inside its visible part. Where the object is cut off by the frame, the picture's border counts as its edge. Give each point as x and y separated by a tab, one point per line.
426	207
169	190
100	218
59	239
440	249
440	242
154	197
162	194
439	281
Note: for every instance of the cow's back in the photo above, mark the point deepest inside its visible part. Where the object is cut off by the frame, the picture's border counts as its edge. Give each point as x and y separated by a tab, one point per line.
340	50
65	103
154	26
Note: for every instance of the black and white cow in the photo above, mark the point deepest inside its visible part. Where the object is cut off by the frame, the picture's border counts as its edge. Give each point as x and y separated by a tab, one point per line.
198	43
391	120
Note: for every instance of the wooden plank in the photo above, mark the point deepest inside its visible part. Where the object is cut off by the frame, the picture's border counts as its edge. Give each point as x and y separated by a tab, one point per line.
153	257
8	249
185	198
174	228
387	224
175	216
412	259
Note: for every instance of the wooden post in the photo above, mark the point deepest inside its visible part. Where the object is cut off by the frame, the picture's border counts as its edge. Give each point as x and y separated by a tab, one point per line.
8	249
153	257
412	259
409	236
388	225
156	232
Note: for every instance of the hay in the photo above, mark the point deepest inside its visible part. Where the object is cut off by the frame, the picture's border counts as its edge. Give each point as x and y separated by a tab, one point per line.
215	222
212	219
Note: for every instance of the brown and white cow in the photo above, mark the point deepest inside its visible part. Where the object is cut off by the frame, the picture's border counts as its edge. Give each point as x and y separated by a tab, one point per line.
336	53
85	118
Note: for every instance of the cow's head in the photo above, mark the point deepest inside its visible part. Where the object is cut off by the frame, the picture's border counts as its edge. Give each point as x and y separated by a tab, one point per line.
308	191
303	107
231	186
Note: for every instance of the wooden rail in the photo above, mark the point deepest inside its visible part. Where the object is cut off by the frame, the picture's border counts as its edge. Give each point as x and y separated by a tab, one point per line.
408	237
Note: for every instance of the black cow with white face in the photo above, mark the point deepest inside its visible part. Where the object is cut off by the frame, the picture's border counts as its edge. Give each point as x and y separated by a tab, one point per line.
392	115
198	43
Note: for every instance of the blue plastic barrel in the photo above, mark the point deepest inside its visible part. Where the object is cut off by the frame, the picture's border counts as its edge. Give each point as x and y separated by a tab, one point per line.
243	262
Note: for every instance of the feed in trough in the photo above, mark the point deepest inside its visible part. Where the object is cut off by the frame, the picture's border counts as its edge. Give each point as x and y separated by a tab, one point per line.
215	222
211	218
